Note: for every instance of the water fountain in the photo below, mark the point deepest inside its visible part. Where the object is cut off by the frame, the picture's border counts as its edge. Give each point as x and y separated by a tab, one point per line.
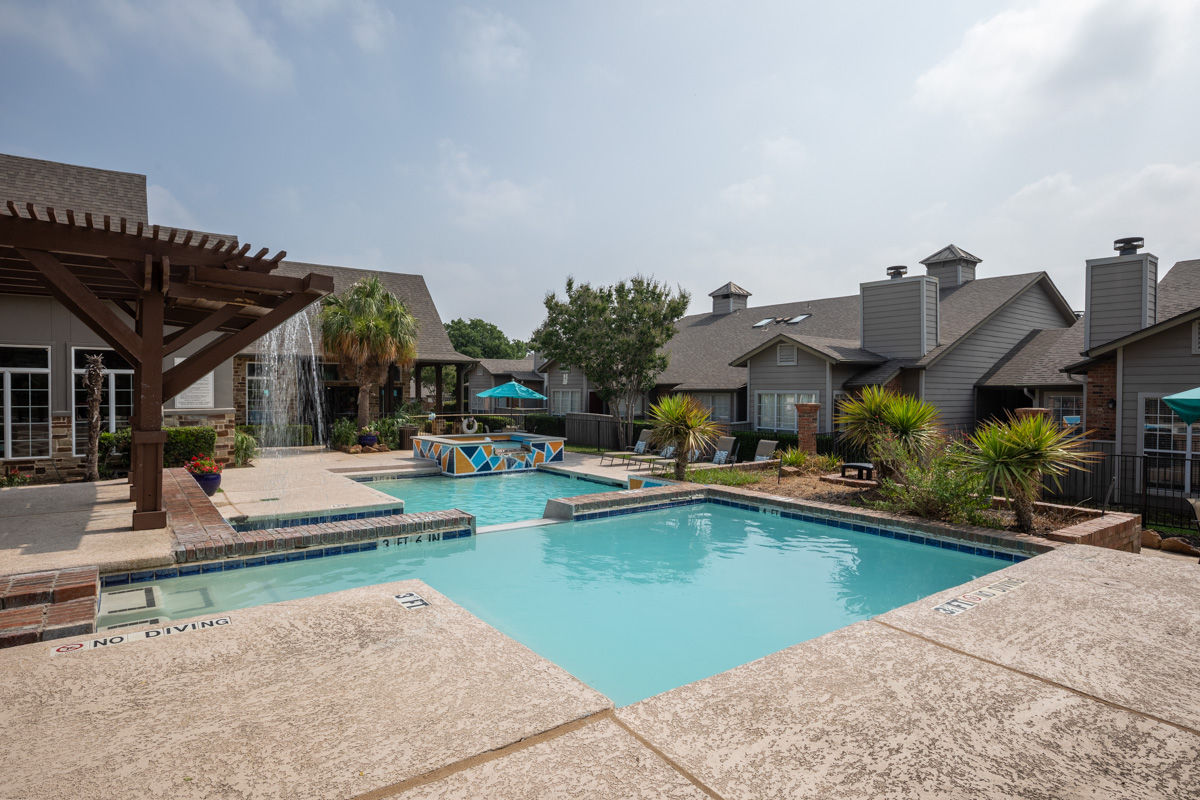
289	377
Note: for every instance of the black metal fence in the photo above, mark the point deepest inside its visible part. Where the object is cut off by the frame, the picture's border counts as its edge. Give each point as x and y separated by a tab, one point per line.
1157	487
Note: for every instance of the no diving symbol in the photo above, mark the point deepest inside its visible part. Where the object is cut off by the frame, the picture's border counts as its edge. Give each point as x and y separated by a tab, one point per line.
66	648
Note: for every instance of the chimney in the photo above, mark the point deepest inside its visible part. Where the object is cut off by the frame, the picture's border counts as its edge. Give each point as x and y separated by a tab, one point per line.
729	298
951	265
1122	293
899	317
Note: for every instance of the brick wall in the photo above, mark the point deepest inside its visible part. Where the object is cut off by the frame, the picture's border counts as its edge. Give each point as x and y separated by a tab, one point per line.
807	422
239	388
1101	388
223	422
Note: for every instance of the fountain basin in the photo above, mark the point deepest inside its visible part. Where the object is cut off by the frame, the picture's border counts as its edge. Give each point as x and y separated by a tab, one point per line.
460	455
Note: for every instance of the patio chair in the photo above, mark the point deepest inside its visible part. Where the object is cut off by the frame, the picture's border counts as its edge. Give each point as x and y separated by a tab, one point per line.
641	447
725	452
766	450
666	454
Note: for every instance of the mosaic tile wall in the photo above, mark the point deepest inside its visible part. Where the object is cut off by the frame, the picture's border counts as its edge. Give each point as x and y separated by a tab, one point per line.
480	459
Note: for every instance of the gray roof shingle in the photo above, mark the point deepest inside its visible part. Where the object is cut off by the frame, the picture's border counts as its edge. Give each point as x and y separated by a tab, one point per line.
520	369
67	186
1037	360
705	344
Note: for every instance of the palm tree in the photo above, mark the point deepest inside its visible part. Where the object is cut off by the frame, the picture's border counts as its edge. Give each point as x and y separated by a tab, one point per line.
680	421
880	414
1017	454
369	329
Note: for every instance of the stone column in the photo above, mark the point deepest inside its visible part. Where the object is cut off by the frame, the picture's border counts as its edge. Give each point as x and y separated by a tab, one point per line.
807	416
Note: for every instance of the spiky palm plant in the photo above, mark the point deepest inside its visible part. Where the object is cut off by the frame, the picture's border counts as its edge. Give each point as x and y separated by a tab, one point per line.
879	414
1015	456
368	329
680	420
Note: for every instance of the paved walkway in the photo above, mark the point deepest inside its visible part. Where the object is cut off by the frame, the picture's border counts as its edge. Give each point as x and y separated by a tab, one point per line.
74	525
1077	682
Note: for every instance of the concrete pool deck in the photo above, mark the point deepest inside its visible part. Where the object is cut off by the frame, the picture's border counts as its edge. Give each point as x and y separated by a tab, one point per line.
1078	682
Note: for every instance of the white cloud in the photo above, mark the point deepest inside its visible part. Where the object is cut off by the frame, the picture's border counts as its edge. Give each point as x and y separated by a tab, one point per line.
165	209
479	199
782	151
750	195
490	47
215	31
1051	56
369	22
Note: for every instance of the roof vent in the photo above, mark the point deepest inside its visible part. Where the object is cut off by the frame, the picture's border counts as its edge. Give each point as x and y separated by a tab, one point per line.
898	271
1129	245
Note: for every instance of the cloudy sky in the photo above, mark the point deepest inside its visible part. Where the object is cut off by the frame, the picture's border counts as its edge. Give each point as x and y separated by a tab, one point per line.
795	148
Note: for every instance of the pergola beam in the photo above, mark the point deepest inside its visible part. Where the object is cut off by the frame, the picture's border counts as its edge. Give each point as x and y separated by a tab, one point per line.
81	302
184	337
181	376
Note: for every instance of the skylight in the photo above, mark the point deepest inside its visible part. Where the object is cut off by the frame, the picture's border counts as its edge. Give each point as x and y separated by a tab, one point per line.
800	318
762	323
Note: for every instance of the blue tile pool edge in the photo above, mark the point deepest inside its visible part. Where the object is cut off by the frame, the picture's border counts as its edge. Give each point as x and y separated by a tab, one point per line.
857	527
267	523
230	564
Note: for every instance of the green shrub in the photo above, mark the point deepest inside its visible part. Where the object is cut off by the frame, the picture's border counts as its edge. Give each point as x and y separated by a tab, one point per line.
794	457
546	424
345	432
936	485
182	445
245	448
283	436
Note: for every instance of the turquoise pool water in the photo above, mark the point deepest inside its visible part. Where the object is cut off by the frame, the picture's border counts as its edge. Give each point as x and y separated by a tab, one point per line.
631	605
493	499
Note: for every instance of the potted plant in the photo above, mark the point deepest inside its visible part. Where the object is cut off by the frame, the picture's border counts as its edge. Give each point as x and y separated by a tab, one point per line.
368	435
207	473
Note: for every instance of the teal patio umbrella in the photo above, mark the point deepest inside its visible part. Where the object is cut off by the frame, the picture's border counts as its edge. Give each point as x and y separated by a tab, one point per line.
1186	405
513	389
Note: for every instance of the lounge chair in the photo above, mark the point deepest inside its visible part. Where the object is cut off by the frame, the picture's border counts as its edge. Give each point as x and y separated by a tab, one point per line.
641	447
724	453
666	454
766	450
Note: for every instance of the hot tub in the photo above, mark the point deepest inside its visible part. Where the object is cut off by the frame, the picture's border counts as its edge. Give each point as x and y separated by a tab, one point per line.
466	454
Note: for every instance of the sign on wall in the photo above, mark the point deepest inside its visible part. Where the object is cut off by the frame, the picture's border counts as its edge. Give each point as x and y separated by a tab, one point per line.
199	394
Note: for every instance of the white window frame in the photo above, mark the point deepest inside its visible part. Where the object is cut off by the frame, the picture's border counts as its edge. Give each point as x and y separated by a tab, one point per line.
709	401
254	379
556	396
1191	445
1196	338
6	400
789	408
110	376
1056	413
782	348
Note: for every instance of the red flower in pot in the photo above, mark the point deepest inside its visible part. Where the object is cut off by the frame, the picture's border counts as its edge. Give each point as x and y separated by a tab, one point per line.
207	472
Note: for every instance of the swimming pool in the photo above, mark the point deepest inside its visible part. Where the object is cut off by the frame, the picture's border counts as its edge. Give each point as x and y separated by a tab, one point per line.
493	499
632	605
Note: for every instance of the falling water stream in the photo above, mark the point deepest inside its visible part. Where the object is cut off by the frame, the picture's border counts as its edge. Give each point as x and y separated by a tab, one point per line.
291	394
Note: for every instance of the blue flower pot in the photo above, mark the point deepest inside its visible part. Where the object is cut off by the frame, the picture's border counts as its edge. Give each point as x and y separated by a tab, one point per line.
209	482
368	440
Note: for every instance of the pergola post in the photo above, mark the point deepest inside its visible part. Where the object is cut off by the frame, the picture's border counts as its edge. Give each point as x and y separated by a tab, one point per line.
148	437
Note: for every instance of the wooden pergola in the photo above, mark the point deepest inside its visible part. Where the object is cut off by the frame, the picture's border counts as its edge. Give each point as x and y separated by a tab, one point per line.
157	277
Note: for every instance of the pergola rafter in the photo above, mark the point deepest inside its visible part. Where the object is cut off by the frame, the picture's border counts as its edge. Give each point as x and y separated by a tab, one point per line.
159	277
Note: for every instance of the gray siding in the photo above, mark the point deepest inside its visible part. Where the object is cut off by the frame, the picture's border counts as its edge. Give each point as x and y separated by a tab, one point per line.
575	381
43	320
1160	364
892	324
1119	299
766	375
931	315
950	381
480	381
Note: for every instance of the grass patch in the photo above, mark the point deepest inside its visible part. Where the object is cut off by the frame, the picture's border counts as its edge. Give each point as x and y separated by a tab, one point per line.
724	477
585	449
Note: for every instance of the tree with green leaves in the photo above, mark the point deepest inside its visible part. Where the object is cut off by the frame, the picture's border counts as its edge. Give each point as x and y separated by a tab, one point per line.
368	329
479	339
1014	456
614	335
684	423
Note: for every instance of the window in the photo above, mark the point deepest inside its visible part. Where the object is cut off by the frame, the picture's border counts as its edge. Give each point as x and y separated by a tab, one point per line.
1196	338
762	323
258	387
116	394
777	410
564	401
785	355
799	318
25	385
718	405
1067	410
1167	444
838	398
